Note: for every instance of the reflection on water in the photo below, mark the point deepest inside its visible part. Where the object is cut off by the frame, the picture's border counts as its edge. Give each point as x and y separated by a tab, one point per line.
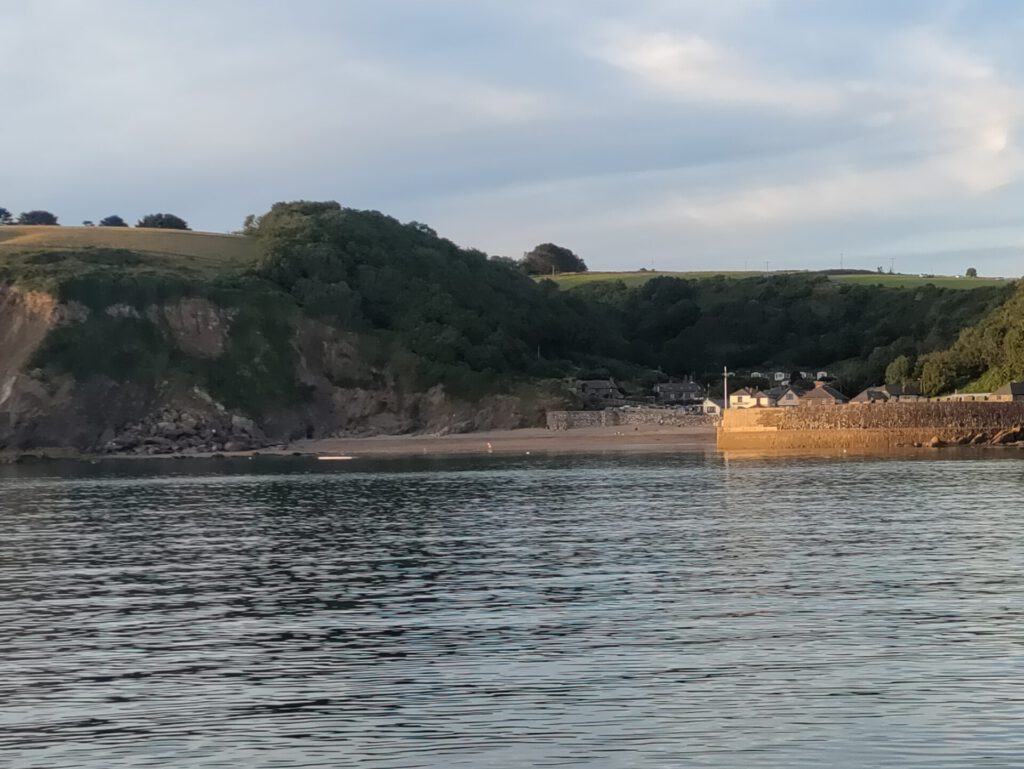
611	612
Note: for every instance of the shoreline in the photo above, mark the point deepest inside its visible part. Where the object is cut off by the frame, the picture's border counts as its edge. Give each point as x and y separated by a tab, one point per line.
649	439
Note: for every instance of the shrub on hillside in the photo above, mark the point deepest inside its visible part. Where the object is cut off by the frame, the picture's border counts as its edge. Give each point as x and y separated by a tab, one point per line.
37	217
163	222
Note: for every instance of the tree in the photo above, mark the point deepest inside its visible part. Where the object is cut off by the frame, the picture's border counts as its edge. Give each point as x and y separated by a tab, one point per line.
5	216
37	217
113	221
88	223
547	258
938	374
899	371
972	272
163	222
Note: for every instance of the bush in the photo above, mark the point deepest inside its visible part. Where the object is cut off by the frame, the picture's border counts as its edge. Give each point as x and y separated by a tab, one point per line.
163	222
37	217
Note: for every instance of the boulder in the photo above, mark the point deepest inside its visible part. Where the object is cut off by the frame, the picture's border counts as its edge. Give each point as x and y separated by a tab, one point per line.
1010	435
936	443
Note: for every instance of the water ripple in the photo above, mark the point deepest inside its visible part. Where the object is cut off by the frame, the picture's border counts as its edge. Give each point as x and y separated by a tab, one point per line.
630	612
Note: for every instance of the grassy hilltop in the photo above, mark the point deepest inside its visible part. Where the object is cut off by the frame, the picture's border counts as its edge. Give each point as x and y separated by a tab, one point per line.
632	279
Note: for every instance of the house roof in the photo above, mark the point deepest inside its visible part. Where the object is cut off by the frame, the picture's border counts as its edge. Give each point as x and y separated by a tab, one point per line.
743	391
899	390
678	386
825	392
717	401
872	394
1011	388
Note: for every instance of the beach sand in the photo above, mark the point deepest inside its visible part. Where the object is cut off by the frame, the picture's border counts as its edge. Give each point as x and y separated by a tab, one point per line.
590	440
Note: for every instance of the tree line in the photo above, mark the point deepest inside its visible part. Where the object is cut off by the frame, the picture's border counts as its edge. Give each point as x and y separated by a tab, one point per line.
40	217
463	315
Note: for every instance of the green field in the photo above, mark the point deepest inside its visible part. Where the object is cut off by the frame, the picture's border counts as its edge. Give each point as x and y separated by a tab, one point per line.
571	280
201	251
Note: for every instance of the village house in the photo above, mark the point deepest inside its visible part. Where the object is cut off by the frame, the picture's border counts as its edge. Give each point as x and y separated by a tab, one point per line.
748	399
742	399
909	392
964	397
888	394
785	396
1013	391
679	392
823	395
712	406
600	393
871	395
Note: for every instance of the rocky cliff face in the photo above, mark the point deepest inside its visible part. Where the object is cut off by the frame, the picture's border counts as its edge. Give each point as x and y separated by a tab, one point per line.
342	394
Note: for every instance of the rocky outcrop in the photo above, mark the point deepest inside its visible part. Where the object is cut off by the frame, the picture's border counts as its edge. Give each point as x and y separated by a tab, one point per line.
198	326
185	431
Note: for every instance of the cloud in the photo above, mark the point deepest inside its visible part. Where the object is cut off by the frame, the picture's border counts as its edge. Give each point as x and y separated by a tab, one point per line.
950	110
693	68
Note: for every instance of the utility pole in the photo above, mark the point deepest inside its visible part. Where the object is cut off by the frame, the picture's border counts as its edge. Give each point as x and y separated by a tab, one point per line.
892	265
725	387
841	260
766	263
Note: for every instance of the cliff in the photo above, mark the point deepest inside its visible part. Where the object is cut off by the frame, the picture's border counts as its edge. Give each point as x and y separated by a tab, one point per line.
195	374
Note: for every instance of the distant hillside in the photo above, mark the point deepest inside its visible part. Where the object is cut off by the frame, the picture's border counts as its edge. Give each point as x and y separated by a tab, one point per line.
572	280
328	320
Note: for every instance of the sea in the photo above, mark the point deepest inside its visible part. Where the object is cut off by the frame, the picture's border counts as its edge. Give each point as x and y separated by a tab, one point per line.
688	610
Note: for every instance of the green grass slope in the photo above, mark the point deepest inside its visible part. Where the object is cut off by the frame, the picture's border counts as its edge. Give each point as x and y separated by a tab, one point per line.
199	250
632	279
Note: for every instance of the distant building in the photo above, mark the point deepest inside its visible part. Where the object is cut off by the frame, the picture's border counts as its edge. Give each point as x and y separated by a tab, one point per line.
871	395
964	397
1013	391
712	406
748	399
781	376
742	399
888	394
785	395
679	392
823	395
908	392
600	393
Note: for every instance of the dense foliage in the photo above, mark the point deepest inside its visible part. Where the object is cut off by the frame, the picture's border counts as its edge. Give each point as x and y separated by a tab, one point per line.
984	357
37	217
113	221
163	222
464	318
5	216
786	321
549	259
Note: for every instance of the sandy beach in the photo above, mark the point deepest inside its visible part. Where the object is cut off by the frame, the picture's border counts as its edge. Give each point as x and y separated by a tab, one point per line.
591	440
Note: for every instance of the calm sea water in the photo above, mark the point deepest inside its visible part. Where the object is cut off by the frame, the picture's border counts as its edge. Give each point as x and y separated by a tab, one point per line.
585	612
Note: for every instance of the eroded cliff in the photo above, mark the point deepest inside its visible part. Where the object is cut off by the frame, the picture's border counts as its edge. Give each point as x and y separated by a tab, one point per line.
194	374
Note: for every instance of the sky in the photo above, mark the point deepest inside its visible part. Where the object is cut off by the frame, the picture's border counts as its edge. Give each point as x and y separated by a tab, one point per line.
678	135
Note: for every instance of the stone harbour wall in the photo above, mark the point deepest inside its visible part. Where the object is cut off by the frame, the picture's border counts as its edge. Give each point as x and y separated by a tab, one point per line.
574	420
864	425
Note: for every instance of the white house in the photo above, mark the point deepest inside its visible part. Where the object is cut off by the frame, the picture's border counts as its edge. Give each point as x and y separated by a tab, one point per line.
712	406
